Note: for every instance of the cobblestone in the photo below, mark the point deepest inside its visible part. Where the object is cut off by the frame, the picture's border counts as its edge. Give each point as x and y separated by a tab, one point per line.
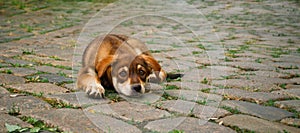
191	108
10	79
77	99
246	84
236	53
186	124
39	88
65	120
197	96
289	104
291	121
290	92
19	71
255	124
195	86
265	112
7	119
56	79
23	104
129	111
258	97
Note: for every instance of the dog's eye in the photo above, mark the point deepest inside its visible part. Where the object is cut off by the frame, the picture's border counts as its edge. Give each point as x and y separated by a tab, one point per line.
123	74
141	72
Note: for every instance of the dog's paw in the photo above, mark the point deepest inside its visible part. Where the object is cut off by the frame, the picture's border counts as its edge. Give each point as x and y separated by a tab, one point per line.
95	90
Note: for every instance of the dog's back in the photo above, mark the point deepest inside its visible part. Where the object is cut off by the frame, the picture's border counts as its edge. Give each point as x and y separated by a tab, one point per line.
111	44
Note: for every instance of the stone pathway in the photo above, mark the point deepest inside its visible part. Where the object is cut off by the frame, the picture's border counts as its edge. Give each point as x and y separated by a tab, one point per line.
240	60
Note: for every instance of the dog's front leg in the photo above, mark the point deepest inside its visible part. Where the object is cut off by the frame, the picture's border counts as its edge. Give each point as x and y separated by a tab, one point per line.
90	83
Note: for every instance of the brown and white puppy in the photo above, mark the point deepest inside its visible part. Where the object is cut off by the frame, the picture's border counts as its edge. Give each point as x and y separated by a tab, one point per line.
119	62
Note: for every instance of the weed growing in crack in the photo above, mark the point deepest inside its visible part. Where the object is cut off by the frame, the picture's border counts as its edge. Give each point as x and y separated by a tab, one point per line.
269	103
59	104
36	79
258	60
171	87
201	102
14	110
205	81
232	110
176	131
206	90
167	96
7	71
28	52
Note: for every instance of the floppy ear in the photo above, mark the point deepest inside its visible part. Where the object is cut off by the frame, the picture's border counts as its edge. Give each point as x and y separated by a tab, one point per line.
102	65
160	74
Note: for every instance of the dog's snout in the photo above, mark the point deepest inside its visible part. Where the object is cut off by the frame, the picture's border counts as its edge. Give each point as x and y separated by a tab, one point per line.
137	88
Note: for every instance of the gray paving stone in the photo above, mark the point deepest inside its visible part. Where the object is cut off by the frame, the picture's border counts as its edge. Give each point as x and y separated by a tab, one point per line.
68	120
56	51
291	72
265	79
19	62
53	70
250	55
192	76
250	66
286	65
7	79
37	88
198	75
3	91
172	65
246	85
288	104
129	111
291	121
292	86
26	104
258	97
108	124
188	108
37	59
265	112
5	118
70	86
204	61
255	124
53	78
289	58
3	65
223	68
289	92
186	124
296	80
196	86
272	74
197	96
20	71
77	99
152	96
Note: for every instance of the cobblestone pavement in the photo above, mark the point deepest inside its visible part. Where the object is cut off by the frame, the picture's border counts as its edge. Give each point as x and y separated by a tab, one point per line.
241	62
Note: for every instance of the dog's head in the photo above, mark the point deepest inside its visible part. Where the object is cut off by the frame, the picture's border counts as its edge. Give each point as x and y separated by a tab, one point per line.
130	74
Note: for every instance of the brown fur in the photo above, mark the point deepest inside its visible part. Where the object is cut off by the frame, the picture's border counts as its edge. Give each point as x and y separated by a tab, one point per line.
106	56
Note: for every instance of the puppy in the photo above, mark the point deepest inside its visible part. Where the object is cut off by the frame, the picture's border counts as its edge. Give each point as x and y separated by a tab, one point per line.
119	62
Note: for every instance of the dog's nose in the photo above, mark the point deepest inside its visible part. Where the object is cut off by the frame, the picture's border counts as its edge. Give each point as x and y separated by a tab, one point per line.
137	88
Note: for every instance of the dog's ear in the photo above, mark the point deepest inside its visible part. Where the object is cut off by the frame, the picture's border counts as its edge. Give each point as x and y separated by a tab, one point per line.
102	65
160	74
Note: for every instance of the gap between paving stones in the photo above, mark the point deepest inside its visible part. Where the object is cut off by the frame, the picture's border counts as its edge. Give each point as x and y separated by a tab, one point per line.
243	27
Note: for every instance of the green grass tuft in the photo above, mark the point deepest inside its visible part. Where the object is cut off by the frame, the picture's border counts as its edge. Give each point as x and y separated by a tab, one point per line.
232	110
